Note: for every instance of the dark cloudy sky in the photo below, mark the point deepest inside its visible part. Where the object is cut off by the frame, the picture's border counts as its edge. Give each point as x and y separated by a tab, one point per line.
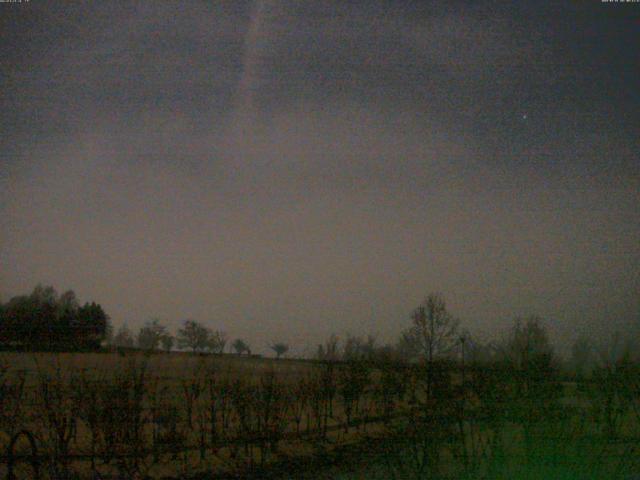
284	169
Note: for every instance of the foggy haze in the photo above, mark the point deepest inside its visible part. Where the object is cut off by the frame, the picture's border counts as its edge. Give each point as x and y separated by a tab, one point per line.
282	170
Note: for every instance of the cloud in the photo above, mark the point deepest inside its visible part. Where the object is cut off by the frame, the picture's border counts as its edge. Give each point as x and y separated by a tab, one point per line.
385	157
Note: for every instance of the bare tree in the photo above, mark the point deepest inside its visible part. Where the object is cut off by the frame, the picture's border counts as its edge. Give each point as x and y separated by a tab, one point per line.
240	346
328	351
150	336
280	348
193	335
527	343
534	389
433	332
167	342
358	347
478	352
123	337
217	341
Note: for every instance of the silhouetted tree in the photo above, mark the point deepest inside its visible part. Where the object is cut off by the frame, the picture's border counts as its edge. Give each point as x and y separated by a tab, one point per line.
358	347
91	325
216	342
480	353
353	377
280	348
67	313
193	335
328	351
42	320
151	334
432	334
582	355
123	337
532	372
31	320
433	330
527	342
167	342
240	346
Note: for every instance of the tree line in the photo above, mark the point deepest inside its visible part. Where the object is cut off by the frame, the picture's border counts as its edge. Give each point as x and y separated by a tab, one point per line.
44	320
153	335
494	408
47	321
192	336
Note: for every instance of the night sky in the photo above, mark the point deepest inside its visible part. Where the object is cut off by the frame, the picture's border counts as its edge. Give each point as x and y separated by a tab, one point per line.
285	169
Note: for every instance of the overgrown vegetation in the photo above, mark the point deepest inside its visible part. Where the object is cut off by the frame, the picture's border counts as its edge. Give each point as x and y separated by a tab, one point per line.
454	408
45	320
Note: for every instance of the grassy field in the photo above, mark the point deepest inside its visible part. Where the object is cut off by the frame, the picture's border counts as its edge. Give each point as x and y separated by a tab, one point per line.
107	415
176	414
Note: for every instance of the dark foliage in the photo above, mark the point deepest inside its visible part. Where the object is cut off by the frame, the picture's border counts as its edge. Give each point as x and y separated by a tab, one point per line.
45	320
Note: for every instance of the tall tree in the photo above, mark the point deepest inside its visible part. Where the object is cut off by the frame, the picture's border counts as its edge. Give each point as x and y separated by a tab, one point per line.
432	333
16	327
167	342
280	349
329	350
67	318
91	325
534	389
123	337
240	346
433	329
151	334
216	342
44	331
358	348
582	355
42	320
527	343
193	335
